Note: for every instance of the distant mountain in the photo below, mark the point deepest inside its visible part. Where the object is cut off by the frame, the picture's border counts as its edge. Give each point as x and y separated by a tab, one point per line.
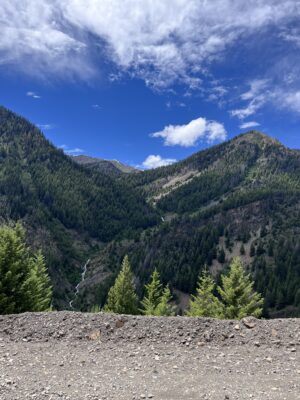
241	197
109	167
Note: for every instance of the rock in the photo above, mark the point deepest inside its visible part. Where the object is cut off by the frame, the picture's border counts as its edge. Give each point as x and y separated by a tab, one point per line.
249	322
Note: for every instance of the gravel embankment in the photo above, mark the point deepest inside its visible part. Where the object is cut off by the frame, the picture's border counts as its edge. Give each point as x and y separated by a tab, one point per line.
76	356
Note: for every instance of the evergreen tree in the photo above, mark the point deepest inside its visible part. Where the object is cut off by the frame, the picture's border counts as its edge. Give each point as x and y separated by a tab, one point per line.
24	282
37	285
157	300
252	250
164	308
204	303
237	293
221	256
122	298
242	250
153	294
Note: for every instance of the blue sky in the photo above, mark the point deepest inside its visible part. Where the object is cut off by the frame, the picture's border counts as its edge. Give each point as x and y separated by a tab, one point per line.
146	83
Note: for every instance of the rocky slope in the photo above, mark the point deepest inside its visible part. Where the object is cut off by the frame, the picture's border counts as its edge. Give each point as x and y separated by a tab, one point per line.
109	167
100	356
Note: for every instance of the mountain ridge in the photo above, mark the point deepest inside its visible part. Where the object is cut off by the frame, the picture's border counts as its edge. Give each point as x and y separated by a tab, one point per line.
243	193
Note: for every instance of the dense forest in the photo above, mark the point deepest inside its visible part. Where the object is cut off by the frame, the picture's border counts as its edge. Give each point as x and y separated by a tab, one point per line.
240	198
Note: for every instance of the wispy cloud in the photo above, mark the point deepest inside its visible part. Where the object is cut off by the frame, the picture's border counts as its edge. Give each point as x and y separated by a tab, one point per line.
33	95
189	134
96	107
155	161
248	125
256	96
149	39
72	152
46	127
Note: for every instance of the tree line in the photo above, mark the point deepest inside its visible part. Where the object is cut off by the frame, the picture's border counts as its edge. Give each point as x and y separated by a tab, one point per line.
235	298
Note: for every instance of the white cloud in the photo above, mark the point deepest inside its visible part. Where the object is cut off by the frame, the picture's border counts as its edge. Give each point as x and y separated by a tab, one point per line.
189	134
248	125
150	39
71	152
258	94
96	107
290	100
155	161
75	151
45	127
33	95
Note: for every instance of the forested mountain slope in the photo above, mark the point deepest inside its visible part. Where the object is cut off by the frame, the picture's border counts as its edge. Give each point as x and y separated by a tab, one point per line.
69	210
238	198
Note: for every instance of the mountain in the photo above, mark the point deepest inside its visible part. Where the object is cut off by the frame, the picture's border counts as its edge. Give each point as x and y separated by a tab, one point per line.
109	167
241	197
67	209
238	198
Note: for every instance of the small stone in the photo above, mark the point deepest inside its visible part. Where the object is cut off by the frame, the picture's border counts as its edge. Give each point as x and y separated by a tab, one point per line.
249	322
237	327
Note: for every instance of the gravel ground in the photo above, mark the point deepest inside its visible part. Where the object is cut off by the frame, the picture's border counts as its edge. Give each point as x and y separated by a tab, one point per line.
78	356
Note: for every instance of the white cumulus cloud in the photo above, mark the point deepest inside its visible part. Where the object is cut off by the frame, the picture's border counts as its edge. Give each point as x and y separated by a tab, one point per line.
155	161
189	134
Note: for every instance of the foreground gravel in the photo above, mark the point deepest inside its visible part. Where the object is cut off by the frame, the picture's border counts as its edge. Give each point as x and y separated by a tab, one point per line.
79	356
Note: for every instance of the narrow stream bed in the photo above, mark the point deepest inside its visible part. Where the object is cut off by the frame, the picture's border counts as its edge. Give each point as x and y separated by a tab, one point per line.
77	288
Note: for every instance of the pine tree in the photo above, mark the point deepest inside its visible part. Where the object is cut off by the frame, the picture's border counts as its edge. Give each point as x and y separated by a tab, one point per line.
164	308
204	303
157	300
221	256
122	298
153	294
37	285
252	250
24	282
237	293
242	250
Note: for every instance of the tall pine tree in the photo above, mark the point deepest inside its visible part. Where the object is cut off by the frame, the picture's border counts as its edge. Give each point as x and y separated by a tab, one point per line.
157	299
122	298
237	293
204	303
24	282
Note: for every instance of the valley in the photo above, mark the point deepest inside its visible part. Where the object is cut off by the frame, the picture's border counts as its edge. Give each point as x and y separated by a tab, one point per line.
241	197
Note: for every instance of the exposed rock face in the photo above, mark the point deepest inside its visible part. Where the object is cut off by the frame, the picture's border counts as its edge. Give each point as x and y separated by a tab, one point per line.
101	356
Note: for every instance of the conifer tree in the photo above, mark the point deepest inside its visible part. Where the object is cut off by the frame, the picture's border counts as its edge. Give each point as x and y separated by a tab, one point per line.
157	299
122	298
153	294
237	293
204	303
37	286
242	250
24	282
164	308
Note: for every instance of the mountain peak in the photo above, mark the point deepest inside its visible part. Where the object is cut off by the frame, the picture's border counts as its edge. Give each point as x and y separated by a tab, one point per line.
257	137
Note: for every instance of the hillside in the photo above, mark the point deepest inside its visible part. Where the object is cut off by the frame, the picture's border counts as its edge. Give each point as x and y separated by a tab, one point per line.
101	356
238	198
68	210
241	197
110	167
